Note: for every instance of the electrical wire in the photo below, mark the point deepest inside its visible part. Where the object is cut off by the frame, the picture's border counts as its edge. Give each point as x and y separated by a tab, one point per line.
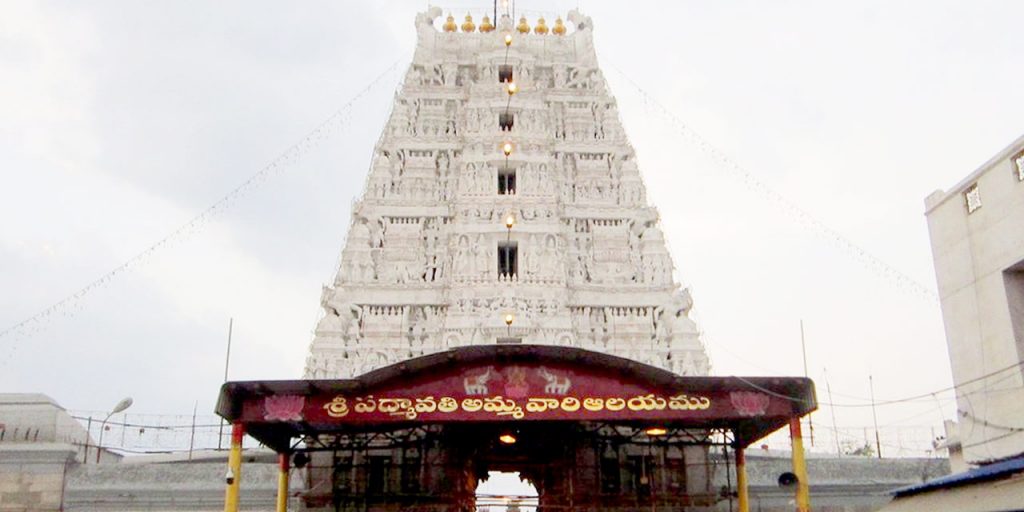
885	402
868	260
989	424
311	139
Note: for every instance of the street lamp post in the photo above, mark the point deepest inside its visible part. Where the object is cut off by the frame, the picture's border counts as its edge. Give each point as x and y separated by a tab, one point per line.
121	406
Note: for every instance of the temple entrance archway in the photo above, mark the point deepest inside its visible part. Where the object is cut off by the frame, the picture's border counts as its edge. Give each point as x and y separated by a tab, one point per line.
591	432
505	492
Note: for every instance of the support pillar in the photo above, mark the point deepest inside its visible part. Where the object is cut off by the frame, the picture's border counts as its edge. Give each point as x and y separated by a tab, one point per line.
234	475
282	482
803	492
741	481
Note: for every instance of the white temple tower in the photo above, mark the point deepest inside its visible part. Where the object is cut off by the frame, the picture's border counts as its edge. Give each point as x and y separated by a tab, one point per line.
429	262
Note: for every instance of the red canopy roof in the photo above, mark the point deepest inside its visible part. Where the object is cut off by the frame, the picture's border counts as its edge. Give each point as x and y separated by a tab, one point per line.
514	383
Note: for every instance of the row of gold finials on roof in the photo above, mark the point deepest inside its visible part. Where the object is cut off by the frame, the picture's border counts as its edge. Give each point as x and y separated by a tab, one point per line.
522	28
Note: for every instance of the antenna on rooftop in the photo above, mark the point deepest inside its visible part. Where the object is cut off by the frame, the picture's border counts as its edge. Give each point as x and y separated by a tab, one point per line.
803	348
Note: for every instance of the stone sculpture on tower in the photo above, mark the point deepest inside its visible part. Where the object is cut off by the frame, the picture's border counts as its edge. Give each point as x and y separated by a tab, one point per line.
496	213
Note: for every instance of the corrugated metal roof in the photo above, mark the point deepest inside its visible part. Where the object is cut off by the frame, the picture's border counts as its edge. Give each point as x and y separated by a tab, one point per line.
994	471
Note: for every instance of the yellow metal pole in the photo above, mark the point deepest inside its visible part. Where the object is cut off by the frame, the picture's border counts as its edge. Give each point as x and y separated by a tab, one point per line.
282	483
803	491
741	480
234	476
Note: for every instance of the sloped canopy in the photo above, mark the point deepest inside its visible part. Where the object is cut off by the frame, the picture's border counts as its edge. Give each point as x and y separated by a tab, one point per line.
503	383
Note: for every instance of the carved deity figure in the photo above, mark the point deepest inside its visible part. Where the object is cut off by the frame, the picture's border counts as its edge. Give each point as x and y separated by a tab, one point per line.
534	257
463	257
344	317
483	257
673	318
551	260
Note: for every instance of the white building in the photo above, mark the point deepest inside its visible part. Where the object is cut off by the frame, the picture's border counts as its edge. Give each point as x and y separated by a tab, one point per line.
977	233
454	243
39	441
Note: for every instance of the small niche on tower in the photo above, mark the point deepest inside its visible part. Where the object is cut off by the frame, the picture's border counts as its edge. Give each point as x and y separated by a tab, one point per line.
507	260
504	73
506	120
507	182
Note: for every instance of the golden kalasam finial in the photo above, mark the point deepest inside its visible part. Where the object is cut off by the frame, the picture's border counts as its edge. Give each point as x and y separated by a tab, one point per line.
449	25
541	27
485	25
523	27
559	28
468	26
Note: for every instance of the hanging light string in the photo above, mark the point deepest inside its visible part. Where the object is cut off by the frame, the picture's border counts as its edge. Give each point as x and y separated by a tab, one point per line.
337	120
865	258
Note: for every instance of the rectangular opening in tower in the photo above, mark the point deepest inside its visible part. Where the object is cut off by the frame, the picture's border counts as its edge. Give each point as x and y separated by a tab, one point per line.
504	73
507	259
507	182
506	120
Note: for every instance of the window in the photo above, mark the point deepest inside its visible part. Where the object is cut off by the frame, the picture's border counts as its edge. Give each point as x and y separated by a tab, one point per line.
342	474
611	480
507	263
507	182
506	120
1018	165
638	480
504	73
410	475
973	198
378	475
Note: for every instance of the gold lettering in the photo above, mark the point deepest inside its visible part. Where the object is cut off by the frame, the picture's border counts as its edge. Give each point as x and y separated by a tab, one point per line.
499	404
394	406
541	404
658	403
337	408
636	404
570	404
678	403
688	403
366	404
426	404
516	413
447	404
472	404
593	404
615	404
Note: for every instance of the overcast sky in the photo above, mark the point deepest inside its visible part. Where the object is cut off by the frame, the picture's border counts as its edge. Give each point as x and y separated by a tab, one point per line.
120	121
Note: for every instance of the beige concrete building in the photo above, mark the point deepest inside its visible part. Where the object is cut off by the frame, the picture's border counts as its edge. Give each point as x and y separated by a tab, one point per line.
977	234
39	440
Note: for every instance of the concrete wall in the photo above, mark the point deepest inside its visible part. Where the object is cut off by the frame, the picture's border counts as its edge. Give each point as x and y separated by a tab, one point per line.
32	476
849	484
169	486
976	256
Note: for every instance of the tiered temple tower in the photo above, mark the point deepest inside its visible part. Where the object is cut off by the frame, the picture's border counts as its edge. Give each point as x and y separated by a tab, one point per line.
499	217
